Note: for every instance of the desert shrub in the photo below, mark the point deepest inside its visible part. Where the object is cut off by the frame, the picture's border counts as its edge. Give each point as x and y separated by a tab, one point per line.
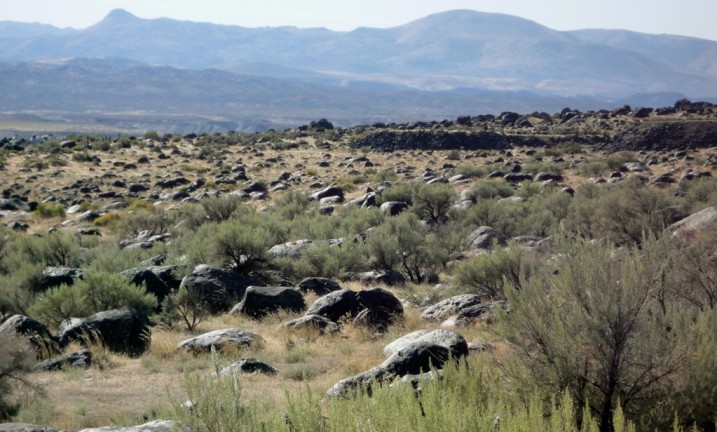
400	192
16	358
453	155
185	305
49	210
111	258
221	208
593	168
329	261
152	219
292	204
19	287
239	244
700	194
589	323
506	217
404	243
54	249
432	202
628	212
488	189
96	292
487	274
549	167
472	171
107	219
218	406
616	160
467	398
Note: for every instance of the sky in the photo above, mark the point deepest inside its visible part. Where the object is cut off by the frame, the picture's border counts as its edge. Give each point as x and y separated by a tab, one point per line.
684	17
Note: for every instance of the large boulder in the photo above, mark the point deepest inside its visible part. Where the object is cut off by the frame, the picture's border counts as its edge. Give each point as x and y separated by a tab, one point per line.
386	277
248	366
55	276
416	358
154	426
219	288
336	305
149	279
318	285
261	301
329	192
449	307
34	332
375	307
312	323
448	339
694	223
393	208
80	359
484	238
124	331
292	249
220	339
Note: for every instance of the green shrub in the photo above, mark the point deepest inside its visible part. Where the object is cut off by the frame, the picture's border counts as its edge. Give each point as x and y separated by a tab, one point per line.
404	243
400	192
16	359
589	322
49	210
185	305
431	202
221	208
488	189
487	274
96	292
593	168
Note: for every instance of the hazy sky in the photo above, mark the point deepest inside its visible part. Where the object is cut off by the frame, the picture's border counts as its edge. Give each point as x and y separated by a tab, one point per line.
685	17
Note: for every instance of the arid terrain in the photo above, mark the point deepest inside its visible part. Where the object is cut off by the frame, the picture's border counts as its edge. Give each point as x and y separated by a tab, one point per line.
486	198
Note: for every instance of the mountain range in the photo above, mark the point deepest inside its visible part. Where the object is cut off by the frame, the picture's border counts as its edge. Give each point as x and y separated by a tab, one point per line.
455	62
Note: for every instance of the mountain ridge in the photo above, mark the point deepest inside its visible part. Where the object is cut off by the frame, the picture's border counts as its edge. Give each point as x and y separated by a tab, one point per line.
460	48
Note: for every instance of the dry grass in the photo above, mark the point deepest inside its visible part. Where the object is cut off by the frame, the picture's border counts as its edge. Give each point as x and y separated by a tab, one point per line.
121	390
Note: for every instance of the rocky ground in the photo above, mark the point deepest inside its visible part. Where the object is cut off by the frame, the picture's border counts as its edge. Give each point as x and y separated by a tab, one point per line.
92	178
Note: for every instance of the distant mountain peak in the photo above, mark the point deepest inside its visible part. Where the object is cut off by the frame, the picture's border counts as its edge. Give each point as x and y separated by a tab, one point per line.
119	15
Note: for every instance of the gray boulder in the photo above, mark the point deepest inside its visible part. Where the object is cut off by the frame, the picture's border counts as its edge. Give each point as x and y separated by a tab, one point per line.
375	307
80	359
220	339
329	192
484	238
124	331
248	366
219	288
694	223
147	278
291	249
261	301
33	331
154	426
451	340
318	285
393	208
449	307
416	358
55	276
312	322
24	427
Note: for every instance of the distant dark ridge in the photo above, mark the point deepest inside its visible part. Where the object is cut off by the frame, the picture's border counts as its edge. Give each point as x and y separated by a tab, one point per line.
666	136
442	140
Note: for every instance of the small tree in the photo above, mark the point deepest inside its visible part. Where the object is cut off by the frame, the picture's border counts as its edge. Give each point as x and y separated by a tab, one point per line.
591	325
16	358
432	202
186	305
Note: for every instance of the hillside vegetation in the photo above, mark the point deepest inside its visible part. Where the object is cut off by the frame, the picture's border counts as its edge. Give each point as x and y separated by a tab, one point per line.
512	272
